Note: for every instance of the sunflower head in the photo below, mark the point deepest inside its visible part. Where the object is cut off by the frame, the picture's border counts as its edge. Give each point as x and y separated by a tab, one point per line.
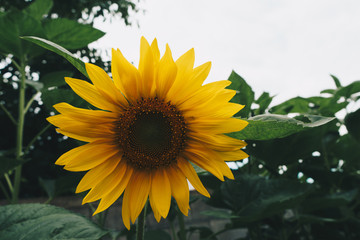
148	126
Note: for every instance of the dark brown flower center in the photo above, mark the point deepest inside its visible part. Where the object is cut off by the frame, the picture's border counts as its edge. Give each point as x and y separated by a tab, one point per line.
151	133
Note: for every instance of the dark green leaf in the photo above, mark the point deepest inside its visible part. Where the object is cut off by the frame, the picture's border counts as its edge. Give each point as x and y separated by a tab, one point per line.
337	81
71	34
14	24
219	213
55	79
270	126
7	164
244	94
352	123
39	8
52	97
251	197
42	221
264	101
330	200
80	65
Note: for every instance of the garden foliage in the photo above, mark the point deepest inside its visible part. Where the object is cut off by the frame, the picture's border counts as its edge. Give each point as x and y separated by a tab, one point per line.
301	180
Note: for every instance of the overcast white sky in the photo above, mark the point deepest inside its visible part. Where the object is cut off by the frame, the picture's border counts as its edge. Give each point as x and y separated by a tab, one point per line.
285	47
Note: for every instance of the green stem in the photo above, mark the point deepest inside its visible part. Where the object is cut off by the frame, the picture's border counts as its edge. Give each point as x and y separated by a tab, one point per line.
140	225
3	189
19	132
8	114
8	181
36	136
182	233
30	102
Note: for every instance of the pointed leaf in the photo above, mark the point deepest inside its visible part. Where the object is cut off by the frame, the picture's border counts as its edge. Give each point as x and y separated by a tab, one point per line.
80	65
337	81
39	8
244	94
42	221
71	34
270	126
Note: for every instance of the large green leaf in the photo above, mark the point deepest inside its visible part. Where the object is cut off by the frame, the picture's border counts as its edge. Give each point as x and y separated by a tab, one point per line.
251	197
270	126
80	65
14	24
39	8
42	221
244	94
71	34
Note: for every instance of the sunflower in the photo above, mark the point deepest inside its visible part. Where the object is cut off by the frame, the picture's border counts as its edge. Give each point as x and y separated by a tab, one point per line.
149	126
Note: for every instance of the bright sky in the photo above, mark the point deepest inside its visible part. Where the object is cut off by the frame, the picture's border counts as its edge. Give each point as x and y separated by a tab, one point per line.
285	47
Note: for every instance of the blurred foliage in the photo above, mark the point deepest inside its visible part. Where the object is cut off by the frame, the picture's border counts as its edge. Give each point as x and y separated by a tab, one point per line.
301	180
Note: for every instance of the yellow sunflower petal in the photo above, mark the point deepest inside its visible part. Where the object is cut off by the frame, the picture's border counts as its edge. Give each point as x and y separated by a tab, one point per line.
161	192
107	184
105	85
85	115
98	173
94	155
146	68
166	74
125	209
218	142
157	215
234	155
89	93
200	73
126	76
155	50
139	188
179	189
112	196
216	125
192	176
202	161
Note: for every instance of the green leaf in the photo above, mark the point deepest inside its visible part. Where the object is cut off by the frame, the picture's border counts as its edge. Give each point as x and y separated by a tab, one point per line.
348	90
264	101
80	65
252	197
71	34
219	213
14	24
270	126
39	8
7	164
52	97
42	221
336	80
330	200
352	121
55	79
244	94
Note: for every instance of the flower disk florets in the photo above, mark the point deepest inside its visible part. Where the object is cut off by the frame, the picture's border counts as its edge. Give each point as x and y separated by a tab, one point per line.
151	133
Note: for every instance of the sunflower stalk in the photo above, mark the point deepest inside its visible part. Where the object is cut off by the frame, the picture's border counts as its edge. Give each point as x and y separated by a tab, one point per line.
140	224
20	129
182	232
